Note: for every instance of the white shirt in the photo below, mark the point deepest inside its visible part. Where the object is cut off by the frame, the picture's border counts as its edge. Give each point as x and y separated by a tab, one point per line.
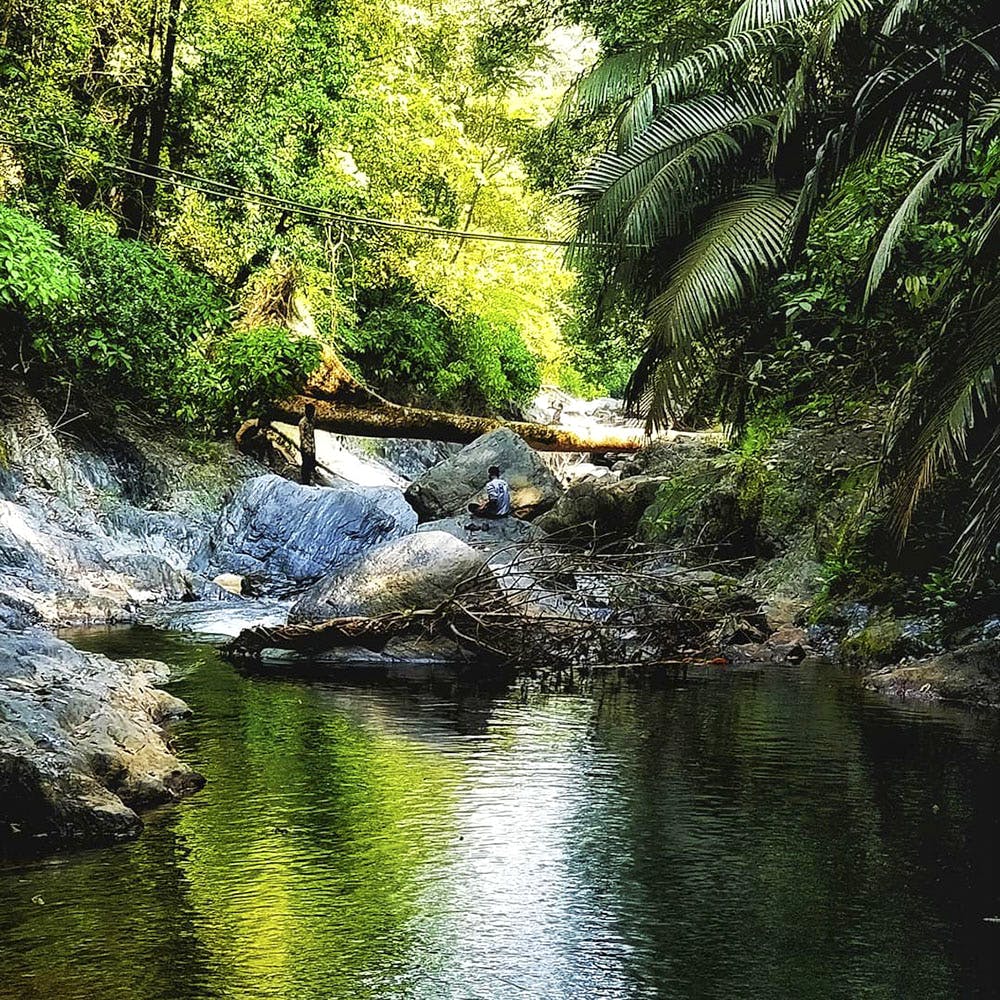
498	491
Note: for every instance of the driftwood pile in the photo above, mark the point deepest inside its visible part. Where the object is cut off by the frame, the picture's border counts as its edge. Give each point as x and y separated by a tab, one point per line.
546	606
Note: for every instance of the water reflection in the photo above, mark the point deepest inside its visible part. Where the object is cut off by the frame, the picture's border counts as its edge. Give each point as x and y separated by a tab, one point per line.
770	836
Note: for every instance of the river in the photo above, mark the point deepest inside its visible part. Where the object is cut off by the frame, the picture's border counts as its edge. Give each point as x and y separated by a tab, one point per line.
767	835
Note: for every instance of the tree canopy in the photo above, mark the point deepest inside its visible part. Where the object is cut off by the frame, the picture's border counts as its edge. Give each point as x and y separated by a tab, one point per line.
770	204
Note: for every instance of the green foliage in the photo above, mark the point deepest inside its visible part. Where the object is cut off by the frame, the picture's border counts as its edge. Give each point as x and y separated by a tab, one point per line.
604	340
760	433
675	499
419	113
120	318
877	149
412	348
620	23
138	315
239	373
35	276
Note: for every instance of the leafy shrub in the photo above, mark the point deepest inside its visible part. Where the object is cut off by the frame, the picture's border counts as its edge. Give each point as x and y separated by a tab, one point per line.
502	368
34	274
120	318
237	374
138	316
417	351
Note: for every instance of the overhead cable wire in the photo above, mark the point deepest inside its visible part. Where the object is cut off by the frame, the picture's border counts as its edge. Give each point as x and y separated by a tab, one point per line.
220	189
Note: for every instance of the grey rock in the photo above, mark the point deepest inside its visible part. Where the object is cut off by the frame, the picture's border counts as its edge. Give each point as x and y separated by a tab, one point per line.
29	443
401	652
283	536
445	490
487	533
968	674
668	456
150	575
412	573
407	458
94	524
81	748
598	507
990	629
218	619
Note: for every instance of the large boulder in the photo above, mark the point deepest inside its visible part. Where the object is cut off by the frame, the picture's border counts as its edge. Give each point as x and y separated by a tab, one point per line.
597	507
969	674
446	489
416	572
282	536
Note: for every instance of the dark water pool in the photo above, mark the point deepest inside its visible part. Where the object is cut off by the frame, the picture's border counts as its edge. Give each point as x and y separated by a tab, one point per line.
770	836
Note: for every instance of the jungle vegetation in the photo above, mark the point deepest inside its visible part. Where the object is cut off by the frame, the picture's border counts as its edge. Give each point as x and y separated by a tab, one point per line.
774	206
804	197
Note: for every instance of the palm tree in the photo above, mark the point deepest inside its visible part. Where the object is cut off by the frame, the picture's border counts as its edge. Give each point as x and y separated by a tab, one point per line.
724	154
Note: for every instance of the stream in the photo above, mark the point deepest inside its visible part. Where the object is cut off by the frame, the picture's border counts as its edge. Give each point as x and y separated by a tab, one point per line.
770	834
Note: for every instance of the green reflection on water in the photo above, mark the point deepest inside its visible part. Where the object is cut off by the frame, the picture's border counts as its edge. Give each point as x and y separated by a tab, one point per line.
294	873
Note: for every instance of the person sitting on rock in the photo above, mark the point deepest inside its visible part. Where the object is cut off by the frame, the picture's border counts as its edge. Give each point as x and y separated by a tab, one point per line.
497	502
557	413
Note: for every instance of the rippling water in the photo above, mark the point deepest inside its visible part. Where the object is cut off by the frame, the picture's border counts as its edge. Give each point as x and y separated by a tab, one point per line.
763	836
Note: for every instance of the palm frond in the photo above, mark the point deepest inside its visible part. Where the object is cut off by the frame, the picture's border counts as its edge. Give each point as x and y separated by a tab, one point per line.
977	545
838	16
916	95
725	57
664	206
760	13
981	131
906	215
897	13
615	78
726	262
987	240
687	156
953	386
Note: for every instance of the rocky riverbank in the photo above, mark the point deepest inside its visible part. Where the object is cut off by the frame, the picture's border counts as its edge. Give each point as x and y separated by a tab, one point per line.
82	744
686	549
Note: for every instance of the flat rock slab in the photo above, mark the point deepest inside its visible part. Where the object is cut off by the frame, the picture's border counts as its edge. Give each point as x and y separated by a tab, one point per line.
969	674
81	743
487	533
446	489
282	536
417	572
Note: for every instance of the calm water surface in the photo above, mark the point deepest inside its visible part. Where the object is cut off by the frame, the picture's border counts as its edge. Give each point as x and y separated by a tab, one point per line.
763	836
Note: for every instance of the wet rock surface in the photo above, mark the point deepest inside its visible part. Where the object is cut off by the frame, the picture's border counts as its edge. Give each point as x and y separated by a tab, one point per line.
82	748
487	533
282	536
446	489
95	525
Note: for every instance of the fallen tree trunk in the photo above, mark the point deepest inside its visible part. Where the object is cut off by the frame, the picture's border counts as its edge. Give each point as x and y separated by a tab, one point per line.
337	633
392	420
343	406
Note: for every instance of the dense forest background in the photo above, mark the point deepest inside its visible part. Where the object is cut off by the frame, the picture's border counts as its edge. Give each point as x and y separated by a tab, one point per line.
780	210
134	271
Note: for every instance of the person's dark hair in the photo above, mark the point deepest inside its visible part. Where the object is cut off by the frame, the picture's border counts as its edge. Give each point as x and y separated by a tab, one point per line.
310	411
494	472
